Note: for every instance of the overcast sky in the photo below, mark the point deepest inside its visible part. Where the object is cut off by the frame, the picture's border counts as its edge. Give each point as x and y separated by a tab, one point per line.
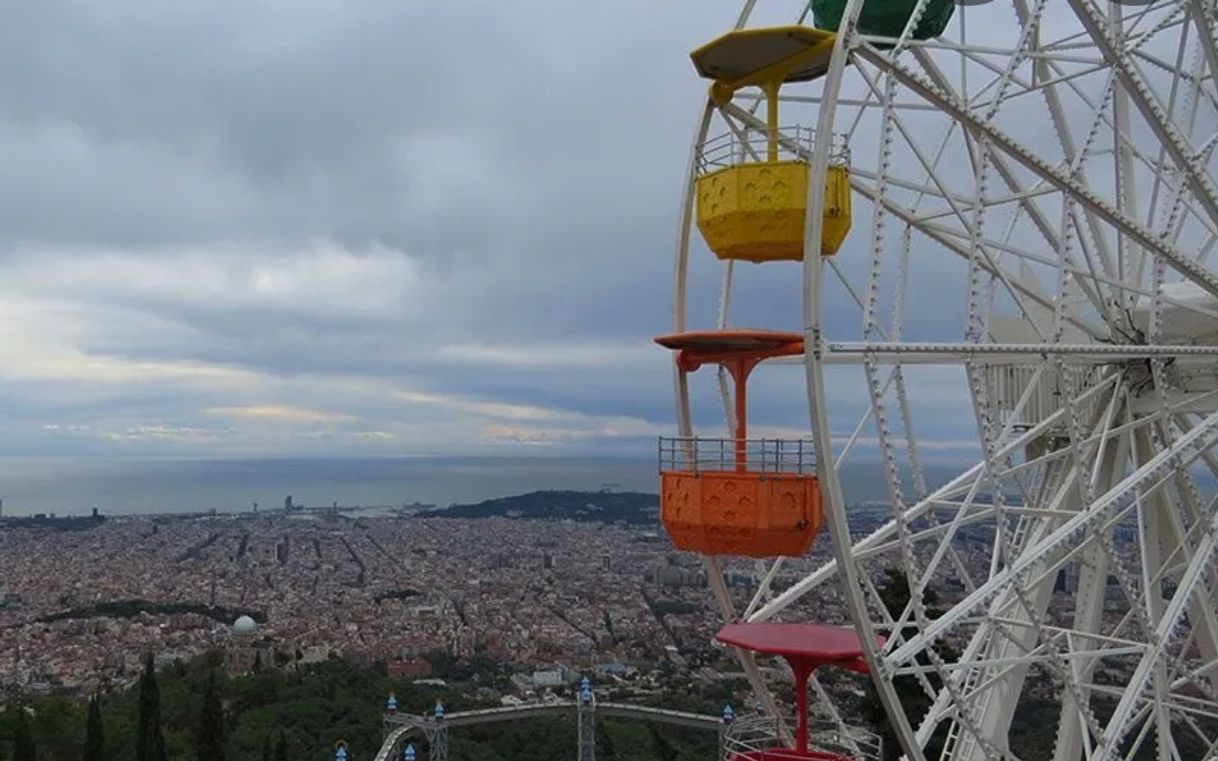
294	227
335	228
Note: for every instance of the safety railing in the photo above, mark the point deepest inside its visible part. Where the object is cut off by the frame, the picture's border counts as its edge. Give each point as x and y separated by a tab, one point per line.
750	146
696	455
750	737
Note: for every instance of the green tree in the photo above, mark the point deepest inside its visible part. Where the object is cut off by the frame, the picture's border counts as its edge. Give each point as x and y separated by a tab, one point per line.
23	741
209	742
150	742
664	748
94	739
281	748
604	743
266	749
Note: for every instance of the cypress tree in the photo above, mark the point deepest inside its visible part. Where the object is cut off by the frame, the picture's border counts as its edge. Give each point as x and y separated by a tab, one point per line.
23	741
150	743
94	741
210	740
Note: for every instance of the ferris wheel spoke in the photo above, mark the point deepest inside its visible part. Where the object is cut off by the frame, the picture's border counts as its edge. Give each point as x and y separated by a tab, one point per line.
861	425
1143	237
1033	193
745	12
1177	70
908	352
961	203
1040	652
1080	274
1076	720
1048	70
895	628
1049	83
1026	601
909	218
927	166
1127	144
763	588
1118	725
1148	476
1002	76
1207	33
863	104
743	140
958	486
1166	20
982	54
748	662
951	241
1161	161
1177	541
844	279
1139	92
939	79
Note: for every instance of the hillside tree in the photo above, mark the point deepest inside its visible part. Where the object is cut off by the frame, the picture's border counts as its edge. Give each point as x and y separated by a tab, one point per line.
209	741
94	737
150	741
23	741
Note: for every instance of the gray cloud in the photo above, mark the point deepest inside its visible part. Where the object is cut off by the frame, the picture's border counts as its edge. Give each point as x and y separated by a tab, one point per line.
351	227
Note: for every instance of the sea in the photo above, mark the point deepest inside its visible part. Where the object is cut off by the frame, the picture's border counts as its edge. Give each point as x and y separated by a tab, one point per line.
116	487
68	487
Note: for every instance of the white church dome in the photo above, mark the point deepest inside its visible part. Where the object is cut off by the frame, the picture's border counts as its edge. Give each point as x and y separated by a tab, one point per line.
244	625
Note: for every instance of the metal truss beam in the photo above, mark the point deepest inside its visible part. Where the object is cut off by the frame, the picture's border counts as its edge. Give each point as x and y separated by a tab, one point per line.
1186	448
1063	182
1138	91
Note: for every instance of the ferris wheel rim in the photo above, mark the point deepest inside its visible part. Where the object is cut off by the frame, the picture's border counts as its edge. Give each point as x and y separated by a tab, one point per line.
830	485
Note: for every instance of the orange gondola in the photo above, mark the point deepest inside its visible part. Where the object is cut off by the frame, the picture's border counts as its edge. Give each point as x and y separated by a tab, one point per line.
738	496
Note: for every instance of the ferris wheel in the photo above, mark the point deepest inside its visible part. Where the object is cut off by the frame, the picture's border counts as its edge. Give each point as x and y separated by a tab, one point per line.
988	226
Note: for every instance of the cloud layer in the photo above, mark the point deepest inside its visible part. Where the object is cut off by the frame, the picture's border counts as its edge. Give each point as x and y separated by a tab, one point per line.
349	228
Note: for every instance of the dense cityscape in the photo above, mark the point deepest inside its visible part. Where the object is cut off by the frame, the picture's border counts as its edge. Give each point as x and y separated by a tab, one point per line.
82	600
81	606
495	588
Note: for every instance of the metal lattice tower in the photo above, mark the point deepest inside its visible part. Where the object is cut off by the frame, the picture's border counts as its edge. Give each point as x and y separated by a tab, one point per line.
437	742
437	735
729	716
587	721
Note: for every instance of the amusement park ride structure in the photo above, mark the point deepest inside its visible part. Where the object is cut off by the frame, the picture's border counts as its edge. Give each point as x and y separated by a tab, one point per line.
403	730
1035	185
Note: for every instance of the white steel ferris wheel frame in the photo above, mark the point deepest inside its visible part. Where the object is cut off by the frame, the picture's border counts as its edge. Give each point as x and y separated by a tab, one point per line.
1115	459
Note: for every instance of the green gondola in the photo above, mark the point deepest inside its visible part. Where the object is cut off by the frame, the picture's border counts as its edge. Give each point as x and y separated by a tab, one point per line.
886	18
